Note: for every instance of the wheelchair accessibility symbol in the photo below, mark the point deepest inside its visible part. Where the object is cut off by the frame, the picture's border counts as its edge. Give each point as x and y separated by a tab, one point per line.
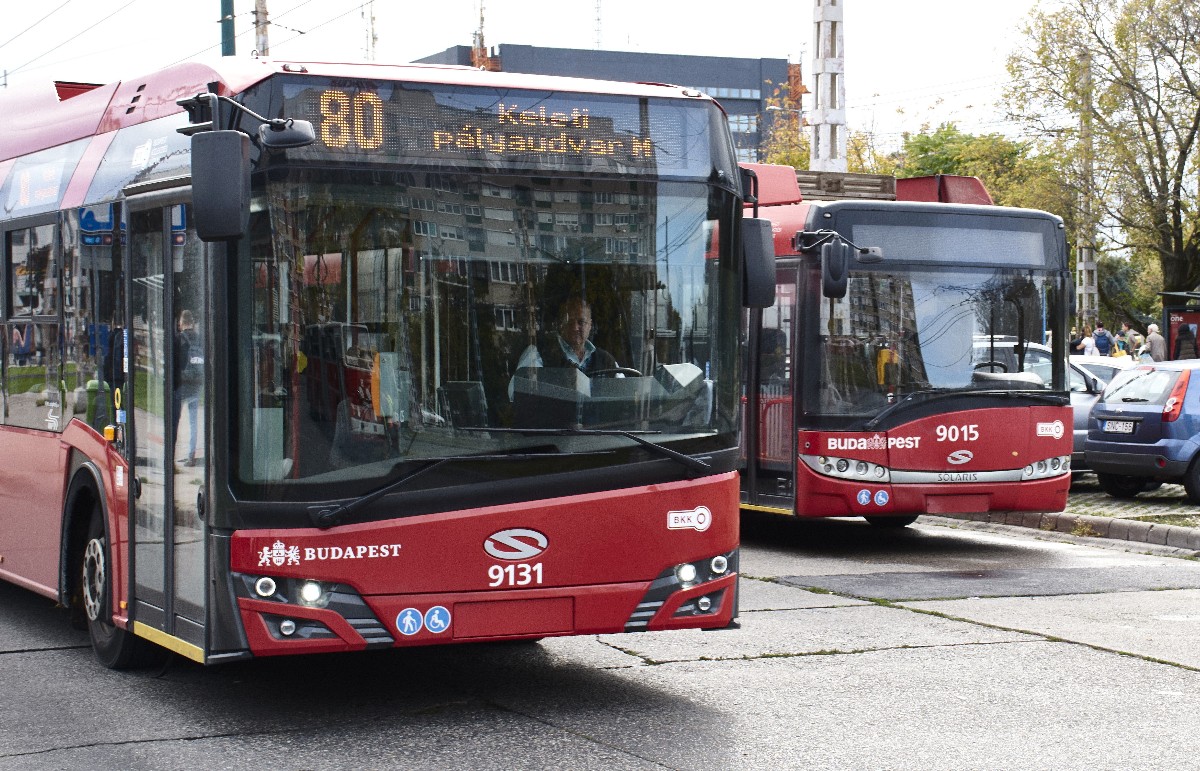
437	619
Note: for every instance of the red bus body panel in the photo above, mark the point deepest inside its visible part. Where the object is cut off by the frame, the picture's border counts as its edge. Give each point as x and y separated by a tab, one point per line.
1006	439
33	482
32	472
618	536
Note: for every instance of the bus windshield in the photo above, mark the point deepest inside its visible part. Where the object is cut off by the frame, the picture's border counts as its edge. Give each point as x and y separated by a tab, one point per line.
933	330
423	315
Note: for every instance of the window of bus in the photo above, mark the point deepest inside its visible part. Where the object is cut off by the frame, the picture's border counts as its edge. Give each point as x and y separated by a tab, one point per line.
33	373
93	310
950	328
381	330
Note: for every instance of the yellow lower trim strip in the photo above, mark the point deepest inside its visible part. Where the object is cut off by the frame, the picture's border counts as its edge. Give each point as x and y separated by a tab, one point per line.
771	509
185	649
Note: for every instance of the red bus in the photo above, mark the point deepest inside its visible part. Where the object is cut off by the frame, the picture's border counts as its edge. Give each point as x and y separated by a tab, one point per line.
264	378
914	361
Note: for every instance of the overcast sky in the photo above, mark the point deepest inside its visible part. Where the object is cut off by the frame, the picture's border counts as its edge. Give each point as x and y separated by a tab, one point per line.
908	62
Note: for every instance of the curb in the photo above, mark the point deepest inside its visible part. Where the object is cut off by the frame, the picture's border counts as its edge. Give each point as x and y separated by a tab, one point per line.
1175	536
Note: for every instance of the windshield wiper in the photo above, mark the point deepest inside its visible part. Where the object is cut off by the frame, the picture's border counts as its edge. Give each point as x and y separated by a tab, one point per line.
692	464
1134	399
326	517
922	397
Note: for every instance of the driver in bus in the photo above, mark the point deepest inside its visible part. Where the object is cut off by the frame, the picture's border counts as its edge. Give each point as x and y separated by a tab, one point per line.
571	346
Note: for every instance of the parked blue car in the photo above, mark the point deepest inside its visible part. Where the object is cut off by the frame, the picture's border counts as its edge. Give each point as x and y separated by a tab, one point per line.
1145	430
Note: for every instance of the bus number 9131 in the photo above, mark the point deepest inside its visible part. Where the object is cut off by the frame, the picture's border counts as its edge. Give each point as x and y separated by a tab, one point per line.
515	575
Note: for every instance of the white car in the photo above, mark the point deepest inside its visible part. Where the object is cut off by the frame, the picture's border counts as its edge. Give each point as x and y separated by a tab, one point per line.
1104	367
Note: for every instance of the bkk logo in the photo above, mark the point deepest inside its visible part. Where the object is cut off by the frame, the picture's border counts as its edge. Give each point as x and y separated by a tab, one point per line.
1054	429
698	519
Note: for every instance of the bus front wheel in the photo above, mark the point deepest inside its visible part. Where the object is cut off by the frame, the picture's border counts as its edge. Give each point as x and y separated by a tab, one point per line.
115	648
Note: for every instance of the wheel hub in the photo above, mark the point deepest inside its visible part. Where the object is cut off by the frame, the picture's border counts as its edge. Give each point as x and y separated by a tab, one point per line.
94	579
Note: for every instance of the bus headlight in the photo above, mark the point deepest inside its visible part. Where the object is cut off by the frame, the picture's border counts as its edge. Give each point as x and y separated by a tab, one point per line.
265	587
1047	467
686	573
846	468
313	594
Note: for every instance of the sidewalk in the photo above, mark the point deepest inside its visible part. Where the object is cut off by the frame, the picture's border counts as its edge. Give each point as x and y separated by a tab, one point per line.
1163	518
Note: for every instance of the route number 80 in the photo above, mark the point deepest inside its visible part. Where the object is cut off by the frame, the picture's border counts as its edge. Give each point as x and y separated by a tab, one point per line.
355	120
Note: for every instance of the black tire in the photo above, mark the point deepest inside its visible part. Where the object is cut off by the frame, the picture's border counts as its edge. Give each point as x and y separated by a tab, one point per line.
1121	486
893	522
1191	482
114	647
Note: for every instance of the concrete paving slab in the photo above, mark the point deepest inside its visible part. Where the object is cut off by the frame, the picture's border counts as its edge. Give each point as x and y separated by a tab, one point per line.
769	595
1162	625
1036	705
941	585
801	632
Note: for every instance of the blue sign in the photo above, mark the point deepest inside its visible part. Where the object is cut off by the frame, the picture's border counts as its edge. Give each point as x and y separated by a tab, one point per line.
881	498
864	497
408	621
437	619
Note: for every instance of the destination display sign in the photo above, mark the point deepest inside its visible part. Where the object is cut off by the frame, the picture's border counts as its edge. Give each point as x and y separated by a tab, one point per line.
505	129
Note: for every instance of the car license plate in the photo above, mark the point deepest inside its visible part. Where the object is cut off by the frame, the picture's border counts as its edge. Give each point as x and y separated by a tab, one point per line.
1118	426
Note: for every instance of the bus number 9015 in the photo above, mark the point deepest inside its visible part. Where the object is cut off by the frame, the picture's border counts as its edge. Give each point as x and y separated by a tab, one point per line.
515	575
964	433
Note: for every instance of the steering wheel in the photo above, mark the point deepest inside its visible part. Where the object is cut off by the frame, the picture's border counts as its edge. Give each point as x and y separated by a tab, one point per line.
992	365
613	371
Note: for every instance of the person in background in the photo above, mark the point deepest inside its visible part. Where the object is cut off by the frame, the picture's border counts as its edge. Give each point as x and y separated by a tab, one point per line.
1087	343
1156	344
1185	343
1074	341
189	370
1133	339
1105	342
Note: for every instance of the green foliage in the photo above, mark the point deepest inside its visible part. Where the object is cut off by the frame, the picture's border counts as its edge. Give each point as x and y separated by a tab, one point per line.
1014	172
785	140
1115	82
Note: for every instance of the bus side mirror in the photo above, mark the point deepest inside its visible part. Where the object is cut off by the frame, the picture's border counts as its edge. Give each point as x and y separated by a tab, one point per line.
220	184
835	260
282	134
758	261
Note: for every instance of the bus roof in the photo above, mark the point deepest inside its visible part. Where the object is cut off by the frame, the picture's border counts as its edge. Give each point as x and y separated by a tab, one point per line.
36	118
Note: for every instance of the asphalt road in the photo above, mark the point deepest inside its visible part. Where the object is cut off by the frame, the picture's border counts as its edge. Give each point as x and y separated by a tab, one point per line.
945	645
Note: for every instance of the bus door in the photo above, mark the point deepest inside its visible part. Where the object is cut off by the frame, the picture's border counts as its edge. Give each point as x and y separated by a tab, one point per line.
773	359
166	385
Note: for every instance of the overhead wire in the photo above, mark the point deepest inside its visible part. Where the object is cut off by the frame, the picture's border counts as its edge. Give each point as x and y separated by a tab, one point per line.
279	15
78	35
39	21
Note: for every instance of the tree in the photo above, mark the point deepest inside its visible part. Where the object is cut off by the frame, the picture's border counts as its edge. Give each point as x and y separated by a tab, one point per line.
1015	173
1127	72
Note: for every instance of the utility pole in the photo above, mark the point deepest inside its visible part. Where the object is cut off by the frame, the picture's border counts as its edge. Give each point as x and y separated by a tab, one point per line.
227	46
1087	289
262	43
368	13
828	116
